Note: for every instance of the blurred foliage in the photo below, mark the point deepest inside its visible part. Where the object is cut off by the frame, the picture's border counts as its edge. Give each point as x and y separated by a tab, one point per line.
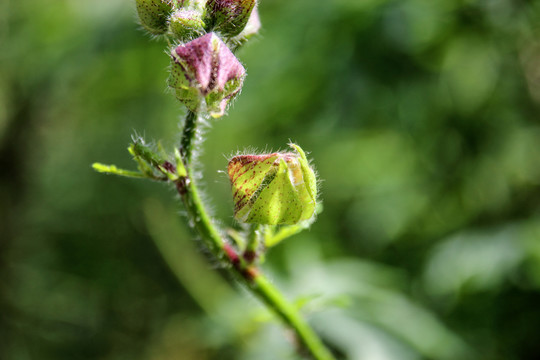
421	117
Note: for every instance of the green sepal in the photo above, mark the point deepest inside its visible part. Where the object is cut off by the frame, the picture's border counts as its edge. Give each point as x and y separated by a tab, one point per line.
248	181
307	193
278	202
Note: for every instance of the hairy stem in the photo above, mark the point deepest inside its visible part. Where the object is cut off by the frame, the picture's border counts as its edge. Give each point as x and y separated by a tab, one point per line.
243	270
191	197
188	138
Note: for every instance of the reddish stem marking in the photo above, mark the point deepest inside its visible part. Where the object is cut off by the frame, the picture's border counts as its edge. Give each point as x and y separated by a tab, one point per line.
247	271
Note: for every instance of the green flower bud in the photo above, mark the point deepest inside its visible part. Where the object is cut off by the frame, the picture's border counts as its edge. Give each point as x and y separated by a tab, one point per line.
186	25
229	17
205	72
153	15
272	189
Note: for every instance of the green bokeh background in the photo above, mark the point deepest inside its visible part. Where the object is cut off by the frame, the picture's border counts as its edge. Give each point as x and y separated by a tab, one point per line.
421	117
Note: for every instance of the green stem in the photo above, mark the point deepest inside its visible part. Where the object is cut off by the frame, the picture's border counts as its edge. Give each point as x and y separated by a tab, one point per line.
247	273
191	197
188	138
272	297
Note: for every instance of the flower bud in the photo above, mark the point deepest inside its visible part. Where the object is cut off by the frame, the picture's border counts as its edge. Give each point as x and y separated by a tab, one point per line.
205	69
186	25
272	189
229	17
153	15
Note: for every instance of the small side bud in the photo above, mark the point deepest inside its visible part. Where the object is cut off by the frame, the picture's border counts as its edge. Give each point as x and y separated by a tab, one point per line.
154	14
229	17
186	25
272	189
205	71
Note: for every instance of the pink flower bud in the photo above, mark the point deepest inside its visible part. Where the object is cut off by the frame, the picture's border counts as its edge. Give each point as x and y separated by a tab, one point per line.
205	69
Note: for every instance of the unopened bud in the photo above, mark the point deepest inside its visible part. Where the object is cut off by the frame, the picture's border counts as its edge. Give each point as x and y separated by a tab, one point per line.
272	189
153	15
229	17
186	25
205	69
